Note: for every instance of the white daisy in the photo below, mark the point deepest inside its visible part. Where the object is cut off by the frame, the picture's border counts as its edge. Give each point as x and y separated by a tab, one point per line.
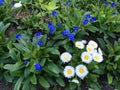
75	81
100	51
97	57
84	41
69	72
81	71
79	44
86	57
90	49
92	44
17	5
65	57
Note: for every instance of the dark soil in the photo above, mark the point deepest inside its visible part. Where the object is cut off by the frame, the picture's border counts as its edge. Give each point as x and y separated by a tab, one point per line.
102	81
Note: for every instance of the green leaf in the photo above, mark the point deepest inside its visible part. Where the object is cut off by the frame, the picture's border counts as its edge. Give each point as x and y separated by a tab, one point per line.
26	72
52	51
14	67
92	28
53	68
33	79
18	83
26	84
72	86
110	78
51	6
8	77
60	82
43	82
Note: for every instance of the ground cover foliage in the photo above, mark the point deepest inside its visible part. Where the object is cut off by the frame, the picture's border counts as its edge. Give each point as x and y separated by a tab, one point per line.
60	44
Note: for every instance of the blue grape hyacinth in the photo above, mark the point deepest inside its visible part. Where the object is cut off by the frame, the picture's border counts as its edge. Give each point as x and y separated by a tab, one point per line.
71	36
87	16
40	43
1	2
93	19
59	25
106	3
51	28
75	28
38	34
65	32
68	3
85	21
54	13
38	66
26	62
18	36
113	5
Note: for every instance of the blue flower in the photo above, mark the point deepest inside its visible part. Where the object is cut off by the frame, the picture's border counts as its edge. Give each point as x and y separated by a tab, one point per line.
68	3
12	3
38	66
51	28
106	3
40	43
71	36
38	34
54	13
113	4
93	19
114	13
59	25
1	2
18	36
26	62
75	28
65	32
85	21
87	15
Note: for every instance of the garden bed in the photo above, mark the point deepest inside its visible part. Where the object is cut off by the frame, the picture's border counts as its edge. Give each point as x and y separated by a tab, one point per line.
59	45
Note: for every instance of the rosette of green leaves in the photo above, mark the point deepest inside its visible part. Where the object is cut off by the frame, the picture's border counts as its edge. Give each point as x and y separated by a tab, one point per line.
25	75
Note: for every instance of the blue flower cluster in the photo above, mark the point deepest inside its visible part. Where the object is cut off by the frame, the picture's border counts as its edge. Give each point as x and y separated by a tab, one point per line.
88	18
38	66
68	34
51	28
113	4
1	2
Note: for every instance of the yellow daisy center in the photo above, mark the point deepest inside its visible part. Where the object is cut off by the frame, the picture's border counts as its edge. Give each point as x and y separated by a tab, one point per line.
78	45
66	57
86	57
69	71
81	70
93	44
89	49
97	58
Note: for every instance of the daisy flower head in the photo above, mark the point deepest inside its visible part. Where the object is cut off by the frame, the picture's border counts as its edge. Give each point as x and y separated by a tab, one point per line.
86	57
69	72
84	41
79	44
97	57
92	44
17	5
66	57
81	71
100	51
90	49
75	81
